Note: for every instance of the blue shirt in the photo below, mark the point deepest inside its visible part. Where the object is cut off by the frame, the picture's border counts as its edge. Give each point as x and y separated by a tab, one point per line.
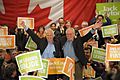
48	52
69	50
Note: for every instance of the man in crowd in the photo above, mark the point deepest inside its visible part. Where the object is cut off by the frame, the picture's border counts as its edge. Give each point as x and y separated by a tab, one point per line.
74	48
48	46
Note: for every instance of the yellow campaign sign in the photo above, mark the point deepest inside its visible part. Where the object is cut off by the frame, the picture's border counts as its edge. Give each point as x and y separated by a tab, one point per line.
113	52
7	42
68	66
4	31
89	72
29	22
56	65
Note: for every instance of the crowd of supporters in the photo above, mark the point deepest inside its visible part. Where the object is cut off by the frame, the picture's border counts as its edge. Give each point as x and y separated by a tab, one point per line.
59	34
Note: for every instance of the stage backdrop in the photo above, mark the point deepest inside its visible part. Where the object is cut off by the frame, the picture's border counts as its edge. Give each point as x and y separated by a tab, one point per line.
47	11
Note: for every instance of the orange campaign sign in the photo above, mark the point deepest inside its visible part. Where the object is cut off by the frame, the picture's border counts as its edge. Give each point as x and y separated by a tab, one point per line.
113	52
84	31
56	65
72	72
29	22
4	31
89	72
68	66
7	42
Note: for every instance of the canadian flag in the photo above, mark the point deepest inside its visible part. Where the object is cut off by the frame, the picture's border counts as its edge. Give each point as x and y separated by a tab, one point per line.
46	11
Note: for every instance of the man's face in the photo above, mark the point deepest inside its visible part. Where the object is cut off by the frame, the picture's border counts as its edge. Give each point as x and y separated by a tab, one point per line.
61	21
49	36
14	54
99	18
87	53
41	30
70	35
53	27
68	24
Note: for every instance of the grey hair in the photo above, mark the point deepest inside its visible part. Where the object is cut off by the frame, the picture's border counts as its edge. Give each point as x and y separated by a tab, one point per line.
70	29
84	23
49	30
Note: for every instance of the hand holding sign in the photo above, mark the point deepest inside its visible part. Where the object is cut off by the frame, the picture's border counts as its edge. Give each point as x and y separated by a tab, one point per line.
97	25
22	24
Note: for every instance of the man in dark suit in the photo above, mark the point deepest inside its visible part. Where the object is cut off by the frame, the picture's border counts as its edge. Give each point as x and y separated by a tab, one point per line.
73	47
48	46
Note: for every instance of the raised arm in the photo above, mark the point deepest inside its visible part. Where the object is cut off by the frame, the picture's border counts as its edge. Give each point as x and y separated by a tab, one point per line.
91	32
34	37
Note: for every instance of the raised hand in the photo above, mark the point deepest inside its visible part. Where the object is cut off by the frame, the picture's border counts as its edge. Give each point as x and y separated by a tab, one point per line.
96	12
106	14
97	25
22	24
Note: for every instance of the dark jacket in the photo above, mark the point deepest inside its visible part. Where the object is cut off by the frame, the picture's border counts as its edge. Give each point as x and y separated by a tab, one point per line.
63	32
21	40
108	21
42	43
78	47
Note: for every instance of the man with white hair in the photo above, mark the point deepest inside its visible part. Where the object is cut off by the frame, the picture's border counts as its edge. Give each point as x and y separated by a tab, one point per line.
73	47
48	46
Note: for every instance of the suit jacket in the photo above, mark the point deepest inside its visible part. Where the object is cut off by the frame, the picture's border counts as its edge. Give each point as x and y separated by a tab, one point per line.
42	43
78	47
108	21
64	31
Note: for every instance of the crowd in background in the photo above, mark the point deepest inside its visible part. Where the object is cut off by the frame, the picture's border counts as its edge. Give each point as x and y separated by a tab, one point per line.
60	34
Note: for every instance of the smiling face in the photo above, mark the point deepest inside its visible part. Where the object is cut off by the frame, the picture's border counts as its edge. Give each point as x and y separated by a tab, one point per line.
70	34
68	24
49	35
100	18
87	53
41	30
53	26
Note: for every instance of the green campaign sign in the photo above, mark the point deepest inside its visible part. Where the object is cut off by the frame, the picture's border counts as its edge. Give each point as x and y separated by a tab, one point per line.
98	55
30	78
108	31
31	44
113	10
30	61
44	72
